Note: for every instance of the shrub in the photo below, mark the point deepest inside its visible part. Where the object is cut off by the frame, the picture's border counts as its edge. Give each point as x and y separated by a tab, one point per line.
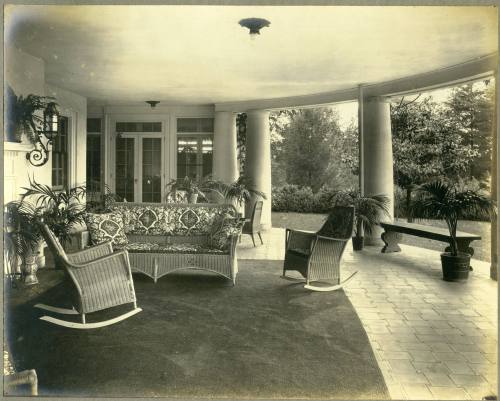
292	198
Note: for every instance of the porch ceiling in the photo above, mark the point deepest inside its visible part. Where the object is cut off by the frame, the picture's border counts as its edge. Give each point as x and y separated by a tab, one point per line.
200	55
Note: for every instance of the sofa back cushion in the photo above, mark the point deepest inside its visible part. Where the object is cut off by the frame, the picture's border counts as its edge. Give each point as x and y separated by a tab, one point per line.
106	227
171	218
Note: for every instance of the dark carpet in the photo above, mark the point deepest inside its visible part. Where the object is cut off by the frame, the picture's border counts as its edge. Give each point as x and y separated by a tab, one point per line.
198	336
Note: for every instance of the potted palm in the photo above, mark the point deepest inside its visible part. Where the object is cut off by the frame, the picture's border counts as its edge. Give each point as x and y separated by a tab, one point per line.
62	211
444	201
189	186
239	191
368	213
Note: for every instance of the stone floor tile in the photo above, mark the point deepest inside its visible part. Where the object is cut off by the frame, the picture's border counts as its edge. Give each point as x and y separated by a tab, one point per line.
395	355
417	392
423	356
467	347
431	367
417	378
474	357
459	367
468	380
396	391
441	347
426	330
439	379
402	366
448	356
478	392
416	347
449	393
427	338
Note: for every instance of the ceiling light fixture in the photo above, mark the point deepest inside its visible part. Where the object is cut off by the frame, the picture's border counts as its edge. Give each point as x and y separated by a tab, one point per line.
254	25
152	103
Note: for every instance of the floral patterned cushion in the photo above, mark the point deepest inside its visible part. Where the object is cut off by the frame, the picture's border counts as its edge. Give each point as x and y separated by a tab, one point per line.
170	219
222	229
105	227
138	247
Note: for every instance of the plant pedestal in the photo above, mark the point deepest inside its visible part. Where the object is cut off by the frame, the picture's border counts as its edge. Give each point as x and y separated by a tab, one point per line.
455	268
29	269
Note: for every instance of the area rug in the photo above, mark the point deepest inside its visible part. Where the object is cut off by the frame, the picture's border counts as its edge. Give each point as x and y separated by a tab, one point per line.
200	337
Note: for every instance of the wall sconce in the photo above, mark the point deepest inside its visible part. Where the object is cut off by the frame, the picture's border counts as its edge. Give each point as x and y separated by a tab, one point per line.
40	155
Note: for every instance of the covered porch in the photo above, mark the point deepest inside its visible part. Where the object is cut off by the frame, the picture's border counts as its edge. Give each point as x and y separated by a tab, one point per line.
402	332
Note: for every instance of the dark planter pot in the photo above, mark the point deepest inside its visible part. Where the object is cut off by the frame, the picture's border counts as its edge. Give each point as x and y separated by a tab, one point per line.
358	243
455	268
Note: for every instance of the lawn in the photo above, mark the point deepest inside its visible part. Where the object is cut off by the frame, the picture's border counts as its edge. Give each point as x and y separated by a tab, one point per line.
312	221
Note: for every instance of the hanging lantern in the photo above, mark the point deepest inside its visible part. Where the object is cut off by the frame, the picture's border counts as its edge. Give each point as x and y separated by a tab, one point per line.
50	121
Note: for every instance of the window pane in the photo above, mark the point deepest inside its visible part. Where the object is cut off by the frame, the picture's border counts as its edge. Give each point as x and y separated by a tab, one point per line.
138	126
206	125
93	125
124	170
151	170
187	125
59	155
93	162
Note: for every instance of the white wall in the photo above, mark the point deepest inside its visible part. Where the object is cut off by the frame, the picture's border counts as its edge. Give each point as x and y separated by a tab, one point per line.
25	74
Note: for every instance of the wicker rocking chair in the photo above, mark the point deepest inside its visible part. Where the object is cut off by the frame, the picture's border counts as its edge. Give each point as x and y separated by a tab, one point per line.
102	280
316	255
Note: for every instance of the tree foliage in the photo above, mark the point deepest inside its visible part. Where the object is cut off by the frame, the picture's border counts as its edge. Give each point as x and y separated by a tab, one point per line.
307	147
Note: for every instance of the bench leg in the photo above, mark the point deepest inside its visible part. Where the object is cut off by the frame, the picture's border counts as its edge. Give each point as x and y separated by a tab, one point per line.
391	240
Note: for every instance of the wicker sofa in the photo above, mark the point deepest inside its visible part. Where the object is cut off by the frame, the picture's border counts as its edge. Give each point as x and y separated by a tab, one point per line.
162	238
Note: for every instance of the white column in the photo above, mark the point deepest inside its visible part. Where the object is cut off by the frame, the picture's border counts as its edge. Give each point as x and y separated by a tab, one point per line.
377	152
225	162
495	188
258	161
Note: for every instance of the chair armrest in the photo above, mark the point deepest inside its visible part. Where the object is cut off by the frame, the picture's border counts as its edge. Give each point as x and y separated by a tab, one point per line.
333	239
90	254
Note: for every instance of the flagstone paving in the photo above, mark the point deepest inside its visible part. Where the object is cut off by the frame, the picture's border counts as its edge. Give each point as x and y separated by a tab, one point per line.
432	339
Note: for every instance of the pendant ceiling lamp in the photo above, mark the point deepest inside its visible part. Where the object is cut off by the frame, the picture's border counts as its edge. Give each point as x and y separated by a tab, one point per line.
254	25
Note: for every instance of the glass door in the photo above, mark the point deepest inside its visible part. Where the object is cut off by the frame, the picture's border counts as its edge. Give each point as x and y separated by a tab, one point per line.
151	169
125	168
139	168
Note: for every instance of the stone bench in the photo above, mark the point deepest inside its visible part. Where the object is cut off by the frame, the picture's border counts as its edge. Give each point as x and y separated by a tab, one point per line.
392	235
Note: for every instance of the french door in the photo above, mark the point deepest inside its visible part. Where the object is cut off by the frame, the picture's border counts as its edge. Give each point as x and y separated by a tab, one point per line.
139	161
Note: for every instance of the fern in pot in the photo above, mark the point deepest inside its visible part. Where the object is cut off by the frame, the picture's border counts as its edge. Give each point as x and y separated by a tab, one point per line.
444	201
23	115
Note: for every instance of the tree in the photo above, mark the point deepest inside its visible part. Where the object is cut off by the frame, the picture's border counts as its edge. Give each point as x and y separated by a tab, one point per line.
306	148
427	144
471	106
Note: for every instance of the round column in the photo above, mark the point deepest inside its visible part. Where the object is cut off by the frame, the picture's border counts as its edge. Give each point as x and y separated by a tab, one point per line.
225	161
377	153
258	162
494	196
